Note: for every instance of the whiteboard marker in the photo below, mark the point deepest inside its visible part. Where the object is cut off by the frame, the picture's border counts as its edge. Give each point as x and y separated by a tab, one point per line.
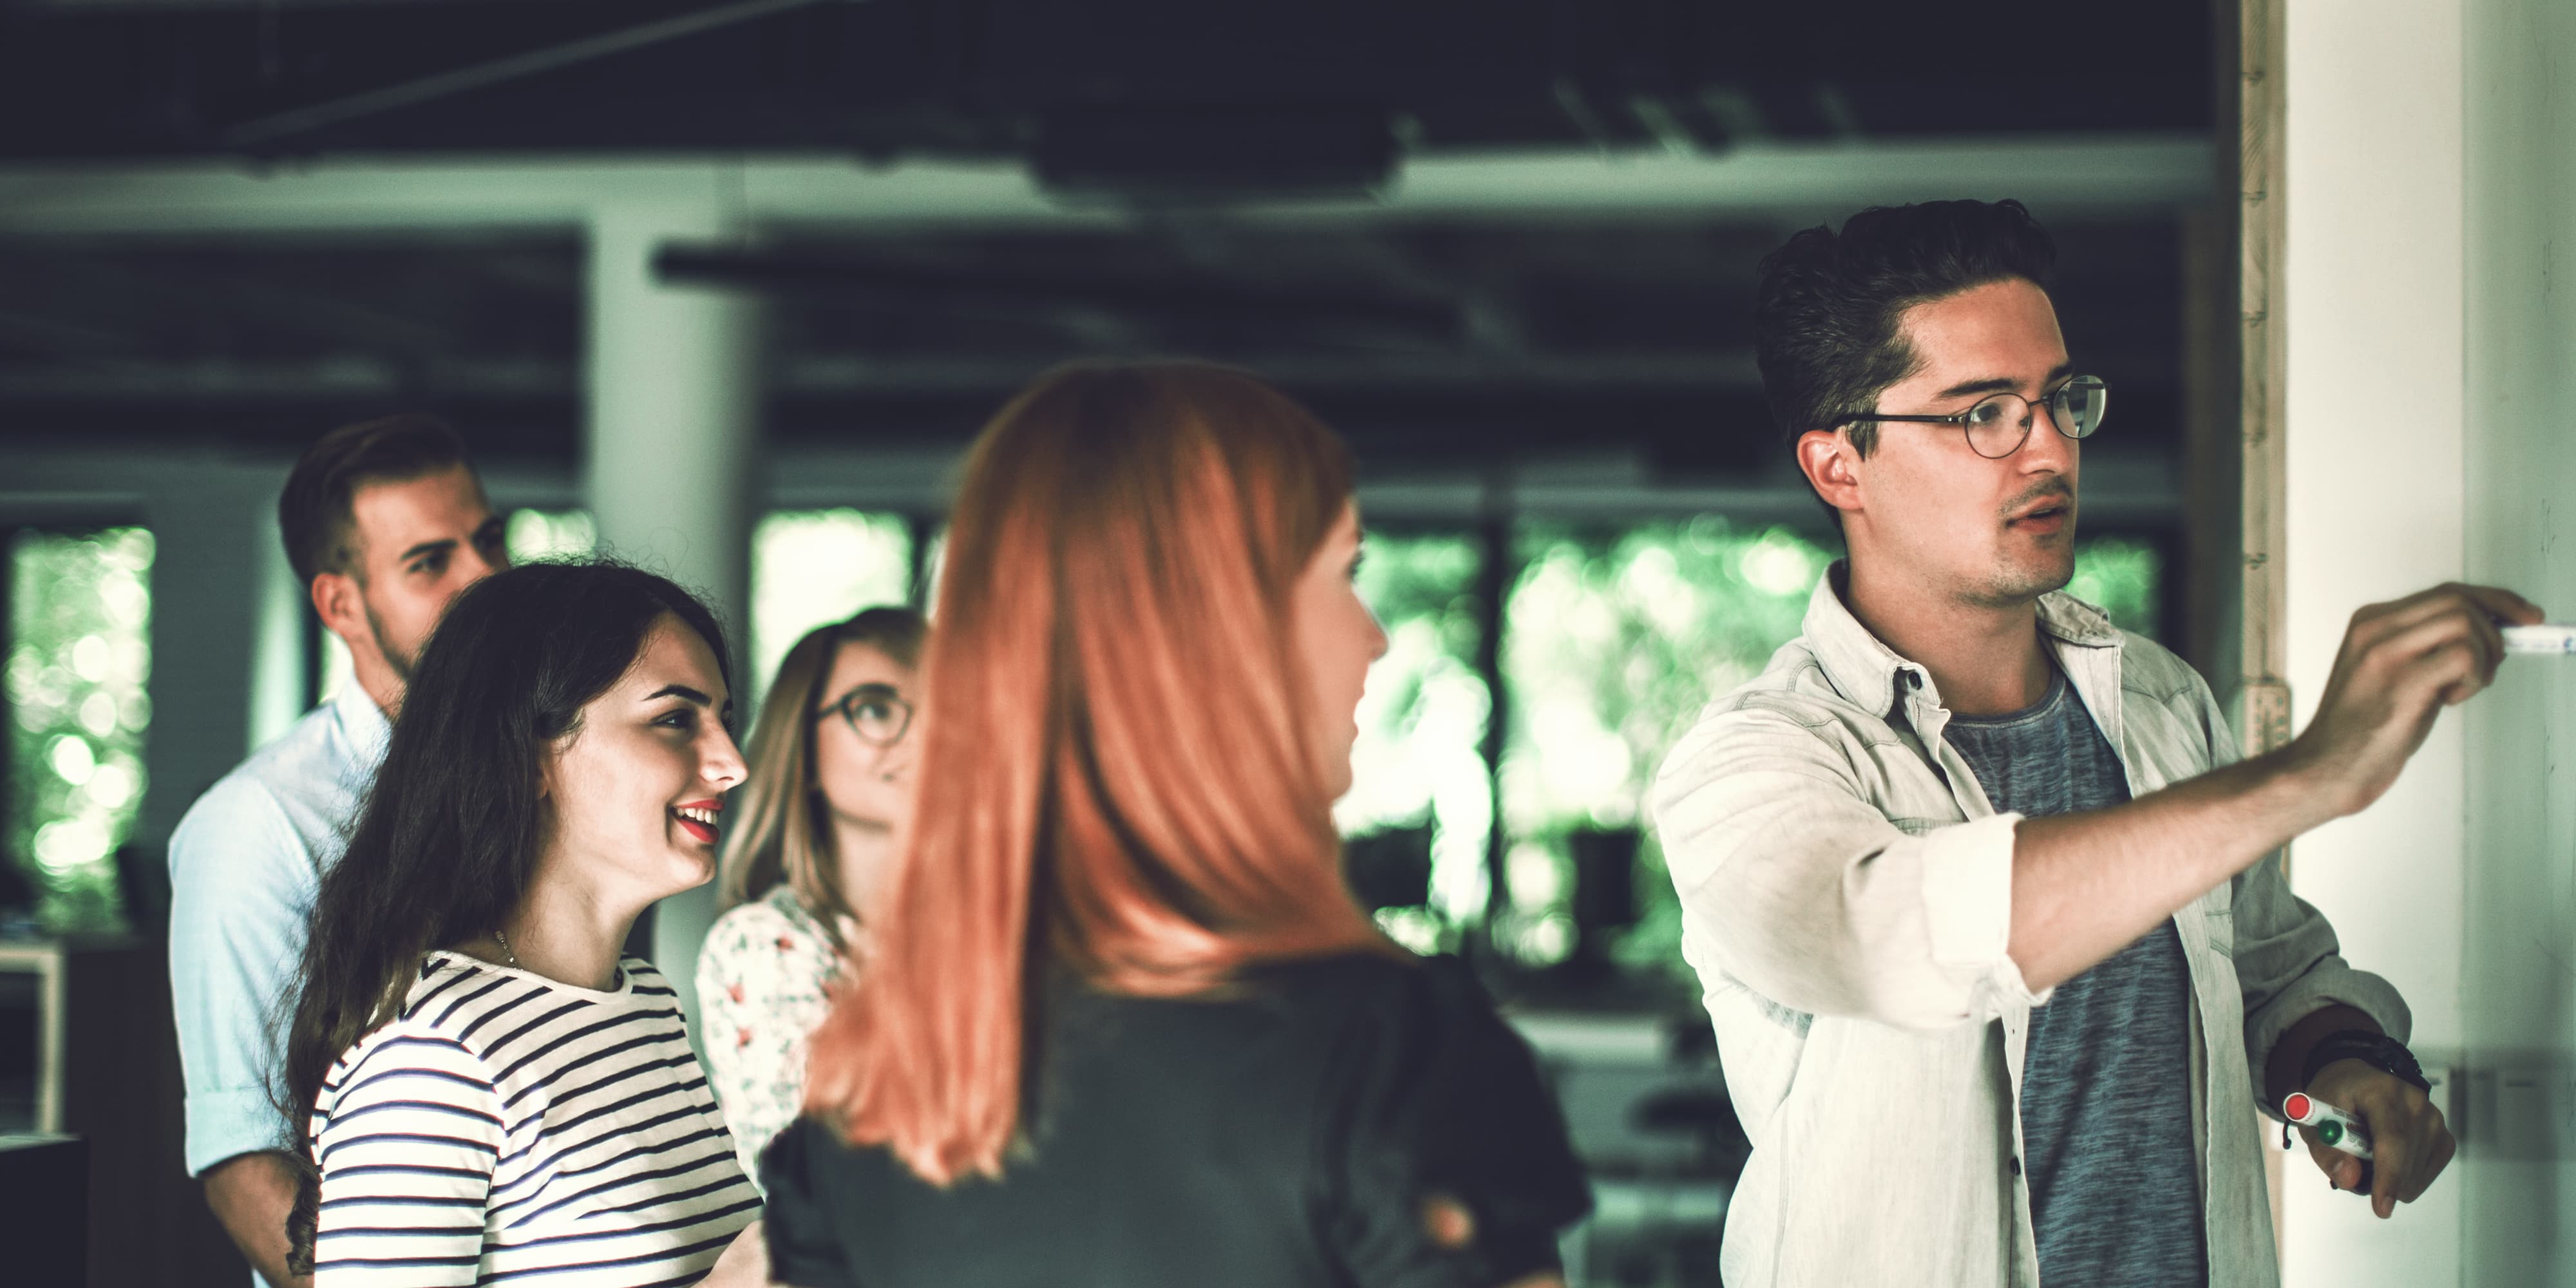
2335	1129
2553	638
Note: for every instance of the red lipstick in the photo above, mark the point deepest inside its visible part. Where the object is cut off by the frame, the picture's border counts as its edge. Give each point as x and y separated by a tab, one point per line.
702	830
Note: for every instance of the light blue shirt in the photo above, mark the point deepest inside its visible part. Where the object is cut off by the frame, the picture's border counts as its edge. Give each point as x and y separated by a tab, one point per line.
245	864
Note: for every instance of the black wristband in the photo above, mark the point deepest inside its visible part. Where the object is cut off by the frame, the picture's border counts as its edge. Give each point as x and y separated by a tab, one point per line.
2378	1050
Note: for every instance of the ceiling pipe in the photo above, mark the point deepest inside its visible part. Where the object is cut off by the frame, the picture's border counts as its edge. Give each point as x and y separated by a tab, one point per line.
254	134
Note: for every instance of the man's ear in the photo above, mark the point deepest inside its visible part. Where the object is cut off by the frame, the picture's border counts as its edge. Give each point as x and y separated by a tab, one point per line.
339	603
1831	465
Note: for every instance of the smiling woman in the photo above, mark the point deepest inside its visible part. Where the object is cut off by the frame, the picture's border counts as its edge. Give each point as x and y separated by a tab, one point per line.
470	1062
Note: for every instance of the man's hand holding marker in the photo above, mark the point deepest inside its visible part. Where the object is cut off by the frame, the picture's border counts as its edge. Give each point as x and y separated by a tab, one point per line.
2386	1140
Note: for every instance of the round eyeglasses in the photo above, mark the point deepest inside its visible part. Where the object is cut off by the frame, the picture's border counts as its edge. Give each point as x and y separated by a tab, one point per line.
875	712
1998	425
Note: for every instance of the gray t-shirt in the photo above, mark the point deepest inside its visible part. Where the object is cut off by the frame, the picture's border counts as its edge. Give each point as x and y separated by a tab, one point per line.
2106	1082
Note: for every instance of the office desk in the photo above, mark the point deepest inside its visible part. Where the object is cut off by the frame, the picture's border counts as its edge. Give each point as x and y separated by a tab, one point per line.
107	1071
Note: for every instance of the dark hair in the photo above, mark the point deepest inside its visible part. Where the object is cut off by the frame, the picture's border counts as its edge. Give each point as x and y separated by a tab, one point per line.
313	516
1826	310
447	839
892	629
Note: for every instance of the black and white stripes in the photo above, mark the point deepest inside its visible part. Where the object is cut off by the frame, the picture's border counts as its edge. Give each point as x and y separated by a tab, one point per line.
507	1128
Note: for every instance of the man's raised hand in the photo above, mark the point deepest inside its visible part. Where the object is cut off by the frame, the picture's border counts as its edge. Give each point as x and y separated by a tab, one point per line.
2400	664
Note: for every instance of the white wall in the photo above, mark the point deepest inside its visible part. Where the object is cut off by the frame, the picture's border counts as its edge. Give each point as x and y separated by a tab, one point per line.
2432	199
2371	302
2519	989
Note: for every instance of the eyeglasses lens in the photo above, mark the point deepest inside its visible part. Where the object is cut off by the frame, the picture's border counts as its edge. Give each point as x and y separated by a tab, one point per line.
2078	406
1997	425
878	717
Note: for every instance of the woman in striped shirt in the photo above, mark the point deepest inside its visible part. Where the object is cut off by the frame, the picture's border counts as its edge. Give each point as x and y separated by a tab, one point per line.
493	1092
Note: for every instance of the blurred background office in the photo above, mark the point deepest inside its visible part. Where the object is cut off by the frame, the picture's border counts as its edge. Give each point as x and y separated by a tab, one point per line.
723	287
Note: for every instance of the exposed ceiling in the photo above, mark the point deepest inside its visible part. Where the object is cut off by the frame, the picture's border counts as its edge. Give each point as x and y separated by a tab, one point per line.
1138	90
1419	341
1425	340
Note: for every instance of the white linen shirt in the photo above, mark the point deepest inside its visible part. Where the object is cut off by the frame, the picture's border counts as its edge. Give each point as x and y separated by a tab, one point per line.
245	863
1846	895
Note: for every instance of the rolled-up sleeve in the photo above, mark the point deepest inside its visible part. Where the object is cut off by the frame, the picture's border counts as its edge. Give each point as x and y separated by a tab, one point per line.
1807	893
2289	964
241	887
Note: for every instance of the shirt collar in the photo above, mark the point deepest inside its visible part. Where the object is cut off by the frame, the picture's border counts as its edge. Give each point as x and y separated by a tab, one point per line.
1872	675
362	722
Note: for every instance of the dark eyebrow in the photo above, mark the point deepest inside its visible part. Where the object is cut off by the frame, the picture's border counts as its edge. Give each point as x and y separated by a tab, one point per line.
681	691
428	548
2002	384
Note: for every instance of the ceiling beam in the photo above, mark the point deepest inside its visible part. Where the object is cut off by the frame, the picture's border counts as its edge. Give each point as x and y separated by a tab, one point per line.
215	198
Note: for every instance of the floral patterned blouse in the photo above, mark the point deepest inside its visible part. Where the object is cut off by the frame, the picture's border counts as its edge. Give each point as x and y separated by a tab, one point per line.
761	980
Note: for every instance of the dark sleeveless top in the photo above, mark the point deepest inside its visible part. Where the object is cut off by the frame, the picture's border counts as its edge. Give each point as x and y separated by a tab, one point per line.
1285	1136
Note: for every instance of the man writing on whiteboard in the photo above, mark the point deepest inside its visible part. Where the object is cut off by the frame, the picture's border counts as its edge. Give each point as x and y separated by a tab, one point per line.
1988	914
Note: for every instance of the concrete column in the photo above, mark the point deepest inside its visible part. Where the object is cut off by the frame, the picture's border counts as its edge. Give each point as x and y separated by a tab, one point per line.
671	446
2371	307
214	524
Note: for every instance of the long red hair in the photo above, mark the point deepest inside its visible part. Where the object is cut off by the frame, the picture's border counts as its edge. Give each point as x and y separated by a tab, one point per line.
1117	774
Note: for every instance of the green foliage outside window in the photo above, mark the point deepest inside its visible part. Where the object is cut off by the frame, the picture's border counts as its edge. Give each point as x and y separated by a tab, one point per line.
1614	640
2123	577
1420	764
80	651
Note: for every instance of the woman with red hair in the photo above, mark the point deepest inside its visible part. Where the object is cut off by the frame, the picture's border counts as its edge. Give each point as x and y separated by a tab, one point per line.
1121	1022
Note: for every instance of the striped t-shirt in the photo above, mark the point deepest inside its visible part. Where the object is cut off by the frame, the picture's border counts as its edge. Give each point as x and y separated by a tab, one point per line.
506	1128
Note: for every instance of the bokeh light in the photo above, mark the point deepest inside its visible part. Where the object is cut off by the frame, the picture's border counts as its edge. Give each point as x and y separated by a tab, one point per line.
79	655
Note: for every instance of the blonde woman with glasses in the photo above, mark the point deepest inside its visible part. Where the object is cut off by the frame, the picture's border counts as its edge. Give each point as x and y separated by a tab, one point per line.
830	785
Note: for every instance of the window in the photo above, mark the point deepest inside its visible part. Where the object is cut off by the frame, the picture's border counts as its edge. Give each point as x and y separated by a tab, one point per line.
79	653
1614	638
2124	577
1419	815
1613	641
812	567
534	536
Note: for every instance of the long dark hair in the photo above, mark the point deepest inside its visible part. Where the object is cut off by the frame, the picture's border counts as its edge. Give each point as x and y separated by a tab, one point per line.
444	847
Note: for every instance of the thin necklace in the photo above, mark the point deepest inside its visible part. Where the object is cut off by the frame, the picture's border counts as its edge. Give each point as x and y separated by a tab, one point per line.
504	941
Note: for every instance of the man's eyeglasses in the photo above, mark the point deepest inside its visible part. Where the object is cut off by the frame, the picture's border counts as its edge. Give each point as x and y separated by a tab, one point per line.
875	712
1998	425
